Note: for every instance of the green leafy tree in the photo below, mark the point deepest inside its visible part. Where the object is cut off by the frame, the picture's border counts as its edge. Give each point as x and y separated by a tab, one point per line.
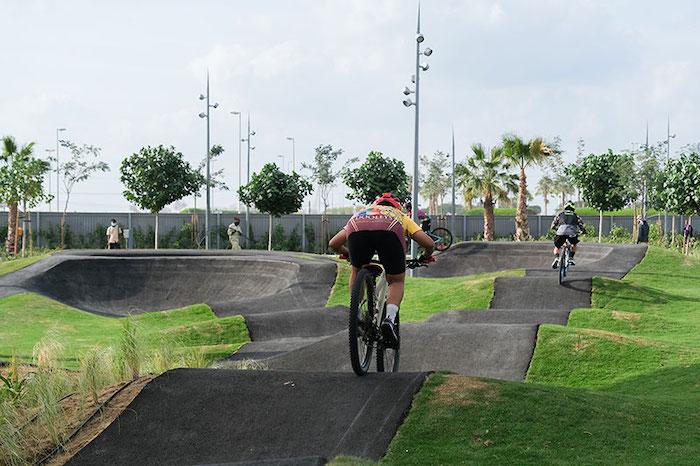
21	182
545	187
323	174
434	181
275	193
486	174
606	181
82	164
157	176
682	184
377	174
523	154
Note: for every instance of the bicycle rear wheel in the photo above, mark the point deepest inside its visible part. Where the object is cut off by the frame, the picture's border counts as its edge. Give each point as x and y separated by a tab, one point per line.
388	358
446	239
361	326
563	259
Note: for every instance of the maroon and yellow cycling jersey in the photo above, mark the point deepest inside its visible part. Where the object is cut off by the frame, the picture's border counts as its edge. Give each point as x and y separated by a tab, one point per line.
383	218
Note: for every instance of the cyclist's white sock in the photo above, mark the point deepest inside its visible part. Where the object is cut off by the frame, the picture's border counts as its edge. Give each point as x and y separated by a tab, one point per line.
391	311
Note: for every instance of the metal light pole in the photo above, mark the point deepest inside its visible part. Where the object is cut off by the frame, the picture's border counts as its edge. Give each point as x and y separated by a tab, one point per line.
240	136
247	207
208	208
408	102
454	186
294	156
48	177
669	136
58	173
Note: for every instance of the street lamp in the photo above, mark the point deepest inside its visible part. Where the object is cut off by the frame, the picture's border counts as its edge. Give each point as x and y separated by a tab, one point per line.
247	207
289	138
208	208
426	52
58	173
669	136
239	156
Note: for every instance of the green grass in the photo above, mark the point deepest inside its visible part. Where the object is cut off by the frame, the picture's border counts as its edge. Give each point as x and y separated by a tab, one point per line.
619	385
646	322
424	297
462	420
27	318
12	265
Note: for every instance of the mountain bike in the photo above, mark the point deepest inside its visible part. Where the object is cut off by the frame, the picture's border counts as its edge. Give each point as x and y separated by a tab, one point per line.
564	256
367	310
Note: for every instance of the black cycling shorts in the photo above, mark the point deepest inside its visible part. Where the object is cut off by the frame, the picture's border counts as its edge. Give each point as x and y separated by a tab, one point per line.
559	240
364	244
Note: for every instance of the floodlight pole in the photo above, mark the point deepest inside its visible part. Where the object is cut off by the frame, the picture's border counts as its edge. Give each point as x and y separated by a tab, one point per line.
416	175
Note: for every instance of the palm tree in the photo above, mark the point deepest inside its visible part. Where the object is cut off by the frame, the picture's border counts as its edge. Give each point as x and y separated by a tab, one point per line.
10	191
486	175
562	186
523	154
545	188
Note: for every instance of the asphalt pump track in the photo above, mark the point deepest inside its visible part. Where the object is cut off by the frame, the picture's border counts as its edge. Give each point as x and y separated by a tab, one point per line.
307	405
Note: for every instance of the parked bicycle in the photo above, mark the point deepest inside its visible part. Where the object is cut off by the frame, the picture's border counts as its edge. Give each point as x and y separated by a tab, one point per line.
367	310
442	238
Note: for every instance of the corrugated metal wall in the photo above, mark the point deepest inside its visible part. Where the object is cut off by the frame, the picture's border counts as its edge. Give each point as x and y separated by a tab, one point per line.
85	223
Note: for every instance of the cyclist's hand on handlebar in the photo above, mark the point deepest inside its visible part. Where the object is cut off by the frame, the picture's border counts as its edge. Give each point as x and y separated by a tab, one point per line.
344	256
426	259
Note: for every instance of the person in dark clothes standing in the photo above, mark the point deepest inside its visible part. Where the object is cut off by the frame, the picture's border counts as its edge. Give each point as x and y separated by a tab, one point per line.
643	232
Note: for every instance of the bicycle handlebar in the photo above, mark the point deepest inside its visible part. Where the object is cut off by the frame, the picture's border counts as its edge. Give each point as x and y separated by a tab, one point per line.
410	263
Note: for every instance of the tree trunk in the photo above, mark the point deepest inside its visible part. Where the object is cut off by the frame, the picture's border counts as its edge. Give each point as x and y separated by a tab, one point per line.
546	203
521	227
269	234
673	229
24	228
488	217
600	227
155	234
11	229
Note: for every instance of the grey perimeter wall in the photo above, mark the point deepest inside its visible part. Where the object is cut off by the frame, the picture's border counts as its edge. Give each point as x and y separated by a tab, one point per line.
465	227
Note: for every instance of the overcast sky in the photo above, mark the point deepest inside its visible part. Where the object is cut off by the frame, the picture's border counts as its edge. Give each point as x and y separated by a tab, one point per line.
121	75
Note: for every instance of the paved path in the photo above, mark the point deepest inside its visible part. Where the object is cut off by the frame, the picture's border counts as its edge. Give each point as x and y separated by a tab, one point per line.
136	281
209	416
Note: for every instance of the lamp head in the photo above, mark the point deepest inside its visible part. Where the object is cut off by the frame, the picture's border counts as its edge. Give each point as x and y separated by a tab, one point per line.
235	113
202	115
413	78
419	38
61	129
216	105
428	51
408	102
252	133
201	97
424	66
407	91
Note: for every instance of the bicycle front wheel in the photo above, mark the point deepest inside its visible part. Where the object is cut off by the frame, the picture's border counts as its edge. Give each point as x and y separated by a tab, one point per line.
388	358
445	239
361	326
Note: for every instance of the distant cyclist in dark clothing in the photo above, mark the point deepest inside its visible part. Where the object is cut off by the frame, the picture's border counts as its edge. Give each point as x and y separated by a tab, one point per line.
687	236
568	225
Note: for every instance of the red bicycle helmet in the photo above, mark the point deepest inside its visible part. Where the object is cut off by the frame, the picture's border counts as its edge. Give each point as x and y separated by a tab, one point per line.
388	199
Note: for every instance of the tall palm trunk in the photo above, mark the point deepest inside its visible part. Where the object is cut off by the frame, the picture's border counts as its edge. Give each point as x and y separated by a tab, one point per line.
11	243
488	217
269	234
522	230
546	203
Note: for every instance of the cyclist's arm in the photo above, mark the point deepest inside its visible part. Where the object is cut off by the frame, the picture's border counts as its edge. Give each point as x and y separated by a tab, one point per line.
555	223
419	236
425	241
337	243
581	225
